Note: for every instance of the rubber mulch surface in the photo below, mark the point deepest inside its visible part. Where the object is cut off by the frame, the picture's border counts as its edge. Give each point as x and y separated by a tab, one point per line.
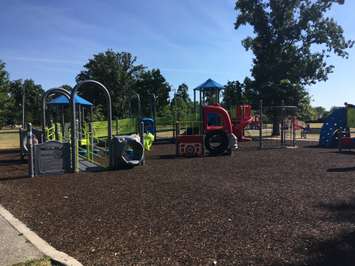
270	207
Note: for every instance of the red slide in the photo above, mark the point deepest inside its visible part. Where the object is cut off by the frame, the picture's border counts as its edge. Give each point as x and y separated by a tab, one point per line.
244	118
223	121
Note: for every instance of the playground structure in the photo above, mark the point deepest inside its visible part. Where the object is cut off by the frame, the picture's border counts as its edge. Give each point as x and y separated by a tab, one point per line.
214	131
336	130
154	126
162	128
91	145
150	121
51	152
149	126
59	130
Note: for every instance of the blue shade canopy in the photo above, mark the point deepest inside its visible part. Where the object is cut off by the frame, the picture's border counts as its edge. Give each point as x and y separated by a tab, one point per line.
209	85
62	100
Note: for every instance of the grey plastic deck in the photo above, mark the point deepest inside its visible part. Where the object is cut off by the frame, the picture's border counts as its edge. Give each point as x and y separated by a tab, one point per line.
86	166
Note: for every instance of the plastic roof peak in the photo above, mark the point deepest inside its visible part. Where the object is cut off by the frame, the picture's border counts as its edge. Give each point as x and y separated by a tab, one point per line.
209	85
62	100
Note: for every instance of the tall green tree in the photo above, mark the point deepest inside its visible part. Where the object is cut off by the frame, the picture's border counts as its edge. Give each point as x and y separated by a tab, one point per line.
320	112
33	101
4	96
181	105
183	93
291	41
67	87
118	72
152	82
181	97
234	94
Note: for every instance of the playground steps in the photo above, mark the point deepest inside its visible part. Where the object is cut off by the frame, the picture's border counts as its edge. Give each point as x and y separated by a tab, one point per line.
85	165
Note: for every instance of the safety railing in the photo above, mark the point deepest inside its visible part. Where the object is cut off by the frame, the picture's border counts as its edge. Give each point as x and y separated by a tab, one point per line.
189	127
50	133
90	151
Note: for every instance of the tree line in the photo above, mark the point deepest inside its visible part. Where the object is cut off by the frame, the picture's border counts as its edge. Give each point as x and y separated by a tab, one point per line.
118	71
291	43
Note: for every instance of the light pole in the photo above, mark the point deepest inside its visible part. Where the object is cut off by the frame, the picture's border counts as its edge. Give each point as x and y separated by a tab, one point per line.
23	106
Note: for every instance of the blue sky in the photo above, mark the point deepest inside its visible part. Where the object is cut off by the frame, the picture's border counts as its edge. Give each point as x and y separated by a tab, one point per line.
190	41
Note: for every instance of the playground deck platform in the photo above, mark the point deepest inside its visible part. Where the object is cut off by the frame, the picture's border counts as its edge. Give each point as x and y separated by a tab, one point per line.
87	166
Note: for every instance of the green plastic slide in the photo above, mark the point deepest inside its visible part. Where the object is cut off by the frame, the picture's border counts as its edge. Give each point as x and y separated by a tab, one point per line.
148	141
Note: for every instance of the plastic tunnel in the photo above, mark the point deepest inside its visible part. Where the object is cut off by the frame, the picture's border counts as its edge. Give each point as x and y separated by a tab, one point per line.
126	152
336	121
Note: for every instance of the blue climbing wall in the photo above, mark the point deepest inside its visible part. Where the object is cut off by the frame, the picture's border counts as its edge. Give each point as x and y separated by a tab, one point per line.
336	120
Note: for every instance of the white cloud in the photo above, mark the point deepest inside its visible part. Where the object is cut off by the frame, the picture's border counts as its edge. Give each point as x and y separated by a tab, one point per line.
44	60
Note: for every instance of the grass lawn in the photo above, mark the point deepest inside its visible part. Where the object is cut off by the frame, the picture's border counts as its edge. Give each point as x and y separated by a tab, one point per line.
41	262
316	125
9	139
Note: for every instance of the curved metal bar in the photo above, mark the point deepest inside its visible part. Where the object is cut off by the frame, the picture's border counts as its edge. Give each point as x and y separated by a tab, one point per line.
49	92
154	99
154	113
74	138
139	104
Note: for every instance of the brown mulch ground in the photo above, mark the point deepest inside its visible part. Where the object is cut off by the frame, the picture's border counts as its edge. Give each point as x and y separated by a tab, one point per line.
270	207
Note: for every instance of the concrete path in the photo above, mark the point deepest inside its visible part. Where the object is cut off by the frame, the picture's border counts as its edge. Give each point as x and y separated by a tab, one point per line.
14	247
12	243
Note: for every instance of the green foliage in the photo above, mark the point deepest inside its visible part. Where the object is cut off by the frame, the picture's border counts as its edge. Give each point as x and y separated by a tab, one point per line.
98	113
119	127
45	261
151	83
165	122
305	110
67	87
181	96
181	105
319	113
126	126
291	41
4	97
183	92
167	118
234	94
351	117
122	76
118	72
33	101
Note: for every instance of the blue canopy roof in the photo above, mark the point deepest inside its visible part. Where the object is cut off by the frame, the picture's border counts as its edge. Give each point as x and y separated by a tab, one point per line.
209	84
62	100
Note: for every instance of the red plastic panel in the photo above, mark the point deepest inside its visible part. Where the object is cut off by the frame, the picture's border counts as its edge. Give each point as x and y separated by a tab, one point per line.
346	142
243	112
190	146
223	116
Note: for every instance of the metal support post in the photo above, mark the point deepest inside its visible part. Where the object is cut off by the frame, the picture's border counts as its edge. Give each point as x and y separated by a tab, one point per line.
261	125
141	136
177	133
31	171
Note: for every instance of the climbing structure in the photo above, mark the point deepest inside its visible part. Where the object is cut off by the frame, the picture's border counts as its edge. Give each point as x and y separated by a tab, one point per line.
335	125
